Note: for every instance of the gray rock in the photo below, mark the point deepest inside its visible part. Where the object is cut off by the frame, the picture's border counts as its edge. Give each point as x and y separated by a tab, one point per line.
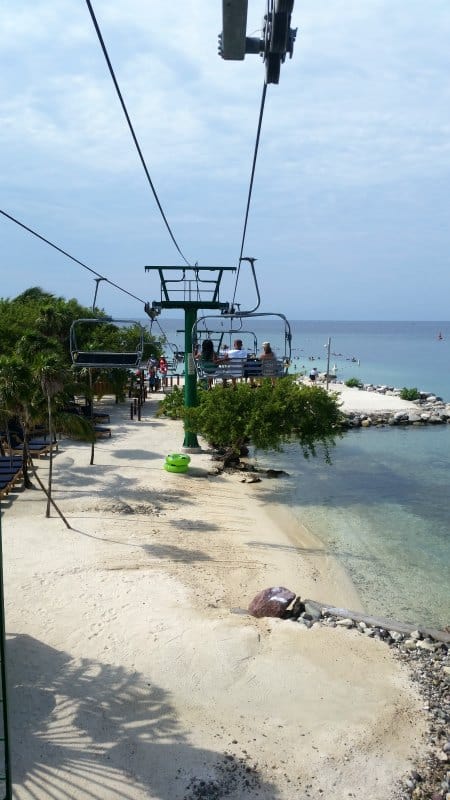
424	645
313	612
345	623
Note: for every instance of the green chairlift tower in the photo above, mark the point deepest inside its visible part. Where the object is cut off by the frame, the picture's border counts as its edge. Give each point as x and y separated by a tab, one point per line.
191	291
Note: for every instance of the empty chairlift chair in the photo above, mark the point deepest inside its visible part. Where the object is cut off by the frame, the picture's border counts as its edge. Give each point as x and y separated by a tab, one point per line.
95	357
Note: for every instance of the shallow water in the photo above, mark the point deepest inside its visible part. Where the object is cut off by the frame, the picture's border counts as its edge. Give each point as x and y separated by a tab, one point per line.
383	509
383	506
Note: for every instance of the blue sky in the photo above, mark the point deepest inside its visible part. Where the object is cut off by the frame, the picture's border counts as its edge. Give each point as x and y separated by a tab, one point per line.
350	210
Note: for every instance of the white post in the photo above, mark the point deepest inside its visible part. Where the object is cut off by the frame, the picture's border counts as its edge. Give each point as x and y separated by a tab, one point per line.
328	361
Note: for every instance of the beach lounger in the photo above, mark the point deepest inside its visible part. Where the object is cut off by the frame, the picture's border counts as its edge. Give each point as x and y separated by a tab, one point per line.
36	447
8	479
13	462
85	411
101	430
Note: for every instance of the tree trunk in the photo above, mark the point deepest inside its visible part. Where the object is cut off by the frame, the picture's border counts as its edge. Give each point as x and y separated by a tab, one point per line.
25	456
92	418
50	466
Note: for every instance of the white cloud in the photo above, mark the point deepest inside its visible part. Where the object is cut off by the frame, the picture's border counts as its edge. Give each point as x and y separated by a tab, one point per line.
361	111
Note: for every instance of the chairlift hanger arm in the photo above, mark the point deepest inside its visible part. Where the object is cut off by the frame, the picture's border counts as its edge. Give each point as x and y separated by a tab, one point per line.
251	261
248	315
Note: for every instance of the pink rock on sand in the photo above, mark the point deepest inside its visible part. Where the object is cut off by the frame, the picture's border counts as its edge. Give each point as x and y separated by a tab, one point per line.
271	602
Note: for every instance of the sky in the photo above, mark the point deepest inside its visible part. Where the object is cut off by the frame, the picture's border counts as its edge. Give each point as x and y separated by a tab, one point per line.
350	209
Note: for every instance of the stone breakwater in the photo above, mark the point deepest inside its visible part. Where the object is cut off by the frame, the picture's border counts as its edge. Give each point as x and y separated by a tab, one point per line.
429	410
425	652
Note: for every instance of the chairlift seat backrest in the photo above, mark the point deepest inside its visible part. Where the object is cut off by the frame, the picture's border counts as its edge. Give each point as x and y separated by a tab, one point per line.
272	368
106	359
98	359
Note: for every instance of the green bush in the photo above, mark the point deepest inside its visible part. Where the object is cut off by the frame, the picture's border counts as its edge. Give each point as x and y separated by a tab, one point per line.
172	405
354	383
409	394
268	417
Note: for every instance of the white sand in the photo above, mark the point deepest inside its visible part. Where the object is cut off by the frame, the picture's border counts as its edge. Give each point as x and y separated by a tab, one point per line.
361	401
129	675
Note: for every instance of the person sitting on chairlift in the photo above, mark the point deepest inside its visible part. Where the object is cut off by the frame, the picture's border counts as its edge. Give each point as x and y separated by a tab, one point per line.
208	359
267	352
238	351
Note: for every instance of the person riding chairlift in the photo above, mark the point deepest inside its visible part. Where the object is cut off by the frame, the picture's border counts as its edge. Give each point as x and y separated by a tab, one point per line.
238	351
208	359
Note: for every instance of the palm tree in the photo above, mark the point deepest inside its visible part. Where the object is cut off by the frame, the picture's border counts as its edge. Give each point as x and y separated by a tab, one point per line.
18	400
56	379
52	382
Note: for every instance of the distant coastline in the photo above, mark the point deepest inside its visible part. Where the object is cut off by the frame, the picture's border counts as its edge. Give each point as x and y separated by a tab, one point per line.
382	405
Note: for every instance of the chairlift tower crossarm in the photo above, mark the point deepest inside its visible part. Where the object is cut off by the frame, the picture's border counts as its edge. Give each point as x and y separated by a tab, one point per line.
191	283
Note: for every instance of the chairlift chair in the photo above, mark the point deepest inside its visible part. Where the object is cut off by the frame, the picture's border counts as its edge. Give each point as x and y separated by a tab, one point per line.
260	368
105	359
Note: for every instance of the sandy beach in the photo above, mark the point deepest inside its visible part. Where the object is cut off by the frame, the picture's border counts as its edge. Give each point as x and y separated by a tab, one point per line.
359	401
133	672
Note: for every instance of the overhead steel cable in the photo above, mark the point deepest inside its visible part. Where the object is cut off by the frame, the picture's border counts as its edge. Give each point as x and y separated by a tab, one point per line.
72	258
255	155
127	117
77	261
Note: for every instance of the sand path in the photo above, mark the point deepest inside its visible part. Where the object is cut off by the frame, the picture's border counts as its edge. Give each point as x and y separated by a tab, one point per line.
130	675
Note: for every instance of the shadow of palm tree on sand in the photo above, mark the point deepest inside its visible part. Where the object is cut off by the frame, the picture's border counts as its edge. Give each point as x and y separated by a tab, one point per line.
85	729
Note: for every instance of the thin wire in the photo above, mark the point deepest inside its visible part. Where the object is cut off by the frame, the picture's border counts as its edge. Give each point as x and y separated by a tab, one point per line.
60	250
77	261
124	108
168	344
255	154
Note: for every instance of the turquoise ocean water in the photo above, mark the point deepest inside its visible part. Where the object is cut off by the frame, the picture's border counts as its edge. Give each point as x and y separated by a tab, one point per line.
382	508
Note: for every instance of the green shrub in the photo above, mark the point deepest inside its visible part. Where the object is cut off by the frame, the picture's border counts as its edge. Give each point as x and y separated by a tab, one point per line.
409	394
268	417
172	405
354	383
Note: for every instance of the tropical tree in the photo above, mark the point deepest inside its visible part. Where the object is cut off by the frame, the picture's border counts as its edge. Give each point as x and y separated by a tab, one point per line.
18	401
268	417
51	374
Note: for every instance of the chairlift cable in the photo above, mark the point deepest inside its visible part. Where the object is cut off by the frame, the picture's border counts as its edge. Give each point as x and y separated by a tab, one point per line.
65	253
255	154
76	260
127	117
163	333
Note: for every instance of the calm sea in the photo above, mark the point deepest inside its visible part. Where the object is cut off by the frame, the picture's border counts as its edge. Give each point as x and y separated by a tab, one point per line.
383	506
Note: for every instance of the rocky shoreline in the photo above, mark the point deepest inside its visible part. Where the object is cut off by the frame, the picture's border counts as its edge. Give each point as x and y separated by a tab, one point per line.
429	410
425	653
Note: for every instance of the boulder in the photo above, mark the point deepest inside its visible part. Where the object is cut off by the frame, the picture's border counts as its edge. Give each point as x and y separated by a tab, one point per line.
272	602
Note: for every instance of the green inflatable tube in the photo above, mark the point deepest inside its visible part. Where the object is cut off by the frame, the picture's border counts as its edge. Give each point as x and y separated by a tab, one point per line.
175	468
178	460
